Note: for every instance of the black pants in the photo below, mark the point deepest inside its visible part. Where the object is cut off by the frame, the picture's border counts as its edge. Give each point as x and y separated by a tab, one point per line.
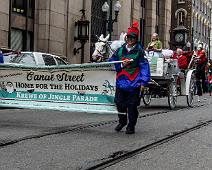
132	113
127	102
200	79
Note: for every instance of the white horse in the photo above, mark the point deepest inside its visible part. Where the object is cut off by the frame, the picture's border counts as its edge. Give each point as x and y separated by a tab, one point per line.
104	49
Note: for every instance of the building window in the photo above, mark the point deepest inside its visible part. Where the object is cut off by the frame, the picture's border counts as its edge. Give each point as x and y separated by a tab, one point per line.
18	6
200	7
19	41
143	3
157	8
206	31
181	15
197	26
142	28
181	1
31	8
181	18
157	29
16	39
21	6
203	8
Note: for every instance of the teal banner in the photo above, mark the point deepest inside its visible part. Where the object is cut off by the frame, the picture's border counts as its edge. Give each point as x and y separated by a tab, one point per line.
77	87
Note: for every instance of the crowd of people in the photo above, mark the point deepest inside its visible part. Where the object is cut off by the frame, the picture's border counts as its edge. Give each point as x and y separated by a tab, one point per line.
202	65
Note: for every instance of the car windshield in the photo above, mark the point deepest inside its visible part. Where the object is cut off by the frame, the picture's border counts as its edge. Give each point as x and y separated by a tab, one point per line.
60	61
24	58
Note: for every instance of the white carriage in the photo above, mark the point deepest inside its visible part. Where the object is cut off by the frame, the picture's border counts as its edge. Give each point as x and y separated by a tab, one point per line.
167	80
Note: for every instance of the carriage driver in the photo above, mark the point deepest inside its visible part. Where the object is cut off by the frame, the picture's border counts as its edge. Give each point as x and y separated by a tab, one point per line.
132	75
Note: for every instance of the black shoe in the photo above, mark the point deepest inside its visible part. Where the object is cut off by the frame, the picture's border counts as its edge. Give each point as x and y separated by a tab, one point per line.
130	131
119	127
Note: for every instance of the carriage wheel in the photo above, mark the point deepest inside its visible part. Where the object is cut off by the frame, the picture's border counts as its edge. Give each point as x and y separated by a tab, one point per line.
172	95
192	89
147	97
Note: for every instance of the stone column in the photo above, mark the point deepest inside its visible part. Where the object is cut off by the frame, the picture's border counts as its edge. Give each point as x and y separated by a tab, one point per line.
124	18
50	26
165	22
150	19
4	22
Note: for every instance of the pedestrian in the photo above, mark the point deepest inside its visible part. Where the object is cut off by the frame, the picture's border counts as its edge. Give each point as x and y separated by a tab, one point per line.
200	71
210	78
155	44
132	75
1	57
182	60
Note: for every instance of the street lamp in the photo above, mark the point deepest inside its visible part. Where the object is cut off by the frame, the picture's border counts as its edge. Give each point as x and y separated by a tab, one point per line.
82	34
110	21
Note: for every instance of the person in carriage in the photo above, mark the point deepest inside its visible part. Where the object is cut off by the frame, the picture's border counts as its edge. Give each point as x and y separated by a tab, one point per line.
155	44
132	75
182	60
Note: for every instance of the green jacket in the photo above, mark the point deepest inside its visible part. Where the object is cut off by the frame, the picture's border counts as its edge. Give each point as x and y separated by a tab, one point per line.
157	44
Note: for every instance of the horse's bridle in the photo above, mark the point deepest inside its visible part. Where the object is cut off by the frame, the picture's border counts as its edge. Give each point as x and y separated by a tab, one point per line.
107	45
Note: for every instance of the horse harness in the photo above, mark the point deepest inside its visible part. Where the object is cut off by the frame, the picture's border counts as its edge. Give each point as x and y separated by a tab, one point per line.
103	57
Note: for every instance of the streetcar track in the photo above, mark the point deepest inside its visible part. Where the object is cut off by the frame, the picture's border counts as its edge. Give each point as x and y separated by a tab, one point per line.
123	155
78	127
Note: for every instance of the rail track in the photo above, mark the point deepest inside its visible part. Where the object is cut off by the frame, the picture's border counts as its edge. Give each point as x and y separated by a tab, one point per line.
121	156
78	127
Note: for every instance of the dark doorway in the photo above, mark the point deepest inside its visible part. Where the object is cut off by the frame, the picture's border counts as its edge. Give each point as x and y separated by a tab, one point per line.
98	22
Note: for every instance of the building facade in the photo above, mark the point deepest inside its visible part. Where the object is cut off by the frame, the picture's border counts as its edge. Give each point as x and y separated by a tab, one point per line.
195	16
49	26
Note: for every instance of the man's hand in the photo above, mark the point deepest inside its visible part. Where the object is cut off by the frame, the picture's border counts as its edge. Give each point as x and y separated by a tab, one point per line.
126	62
142	88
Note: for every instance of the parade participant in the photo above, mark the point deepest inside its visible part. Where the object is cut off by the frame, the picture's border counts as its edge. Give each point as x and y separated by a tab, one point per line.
182	60
210	77
200	70
1	57
155	44
132	75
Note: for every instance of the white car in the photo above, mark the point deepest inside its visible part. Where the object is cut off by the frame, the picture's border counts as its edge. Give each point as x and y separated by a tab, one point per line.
37	58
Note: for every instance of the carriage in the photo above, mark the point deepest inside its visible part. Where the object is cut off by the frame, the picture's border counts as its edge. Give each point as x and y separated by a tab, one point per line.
167	80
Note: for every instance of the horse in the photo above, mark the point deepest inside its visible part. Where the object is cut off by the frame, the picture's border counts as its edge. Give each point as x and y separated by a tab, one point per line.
104	49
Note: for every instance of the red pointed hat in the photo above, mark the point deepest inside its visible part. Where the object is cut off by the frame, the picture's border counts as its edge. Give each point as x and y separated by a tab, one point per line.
133	30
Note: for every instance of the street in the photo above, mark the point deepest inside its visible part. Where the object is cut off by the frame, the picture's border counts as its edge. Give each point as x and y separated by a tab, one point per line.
46	139
68	67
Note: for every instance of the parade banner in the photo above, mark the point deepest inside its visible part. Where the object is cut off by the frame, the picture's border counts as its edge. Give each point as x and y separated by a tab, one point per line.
76	87
156	66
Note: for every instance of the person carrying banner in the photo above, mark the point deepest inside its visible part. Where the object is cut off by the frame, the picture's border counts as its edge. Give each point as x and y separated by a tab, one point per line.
132	75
